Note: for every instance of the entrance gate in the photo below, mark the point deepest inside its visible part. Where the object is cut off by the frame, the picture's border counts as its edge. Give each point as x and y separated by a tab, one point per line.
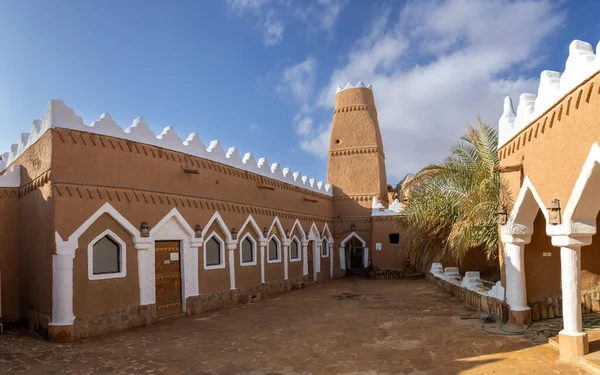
167	269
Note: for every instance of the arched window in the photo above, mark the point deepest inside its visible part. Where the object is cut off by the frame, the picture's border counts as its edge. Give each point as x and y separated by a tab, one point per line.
294	250
325	248
213	251
274	249
106	257
248	251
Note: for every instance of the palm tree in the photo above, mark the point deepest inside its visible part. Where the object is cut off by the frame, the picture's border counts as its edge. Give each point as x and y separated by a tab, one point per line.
451	207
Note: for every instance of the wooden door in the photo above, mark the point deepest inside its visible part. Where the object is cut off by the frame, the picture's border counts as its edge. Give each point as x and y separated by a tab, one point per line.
309	258
168	278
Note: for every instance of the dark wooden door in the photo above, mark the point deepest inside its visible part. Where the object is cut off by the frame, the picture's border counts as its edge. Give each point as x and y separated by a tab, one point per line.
168	278
309	259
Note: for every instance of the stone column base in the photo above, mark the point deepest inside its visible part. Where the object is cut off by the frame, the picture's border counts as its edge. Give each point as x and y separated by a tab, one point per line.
572	347
61	334
519	318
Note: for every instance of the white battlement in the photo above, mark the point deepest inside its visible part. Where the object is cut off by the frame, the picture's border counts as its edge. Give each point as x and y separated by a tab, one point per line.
58	115
580	65
349	85
379	209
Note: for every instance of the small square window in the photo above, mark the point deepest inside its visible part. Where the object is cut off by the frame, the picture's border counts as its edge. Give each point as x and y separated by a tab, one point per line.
394	238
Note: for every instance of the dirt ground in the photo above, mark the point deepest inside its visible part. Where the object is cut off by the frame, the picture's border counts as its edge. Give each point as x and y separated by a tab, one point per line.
385	327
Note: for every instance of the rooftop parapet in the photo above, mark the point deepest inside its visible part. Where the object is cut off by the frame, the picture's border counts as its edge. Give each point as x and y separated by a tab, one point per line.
580	65
58	115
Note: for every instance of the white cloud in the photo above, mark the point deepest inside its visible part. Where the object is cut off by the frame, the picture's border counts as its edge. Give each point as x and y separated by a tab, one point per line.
245	5
273	31
434	67
299	80
254	128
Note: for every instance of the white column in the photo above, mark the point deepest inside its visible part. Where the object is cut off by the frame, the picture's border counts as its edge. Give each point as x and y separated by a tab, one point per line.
365	257
286	246
231	247
343	258
514	260
304	258
62	289
263	244
570	272
330	261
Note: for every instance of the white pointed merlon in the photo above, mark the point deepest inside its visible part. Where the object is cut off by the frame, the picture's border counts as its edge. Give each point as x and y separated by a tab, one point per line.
287	175
58	115
14	149
548	91
107	126
578	66
139	131
263	166
23	143
233	158
506	124
361	85
297	176
311	181
215	152
370	87
338	90
194	146
320	185
168	138
328	188
304	180
276	172
524	111
348	86
250	163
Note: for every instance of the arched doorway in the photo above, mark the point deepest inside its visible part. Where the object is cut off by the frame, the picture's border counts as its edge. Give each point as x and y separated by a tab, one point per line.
354	257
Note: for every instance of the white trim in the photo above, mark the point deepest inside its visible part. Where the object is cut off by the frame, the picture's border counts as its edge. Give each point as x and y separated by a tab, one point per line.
365	257
217	217
254	252
330	237
277	223
523	214
122	257
221	249
300	229
331	260
326	248
314	234
250	220
263	244
278	260
355	235
299	246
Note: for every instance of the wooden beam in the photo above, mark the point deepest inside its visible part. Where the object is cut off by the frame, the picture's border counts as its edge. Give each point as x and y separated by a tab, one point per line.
190	170
306	199
266	187
507	168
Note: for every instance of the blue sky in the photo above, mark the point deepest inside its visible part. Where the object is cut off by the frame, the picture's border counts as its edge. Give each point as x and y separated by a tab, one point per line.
260	75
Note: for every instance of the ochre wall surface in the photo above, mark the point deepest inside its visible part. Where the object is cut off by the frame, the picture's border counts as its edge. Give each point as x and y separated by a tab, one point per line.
9	254
96	296
390	255
542	273
554	147
590	263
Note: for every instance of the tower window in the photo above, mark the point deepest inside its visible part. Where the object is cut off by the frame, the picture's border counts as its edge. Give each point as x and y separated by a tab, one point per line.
337	141
394	238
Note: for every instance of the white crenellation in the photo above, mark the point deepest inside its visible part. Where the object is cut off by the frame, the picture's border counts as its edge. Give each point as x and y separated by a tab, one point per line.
349	85
580	65
11	178
378	209
58	115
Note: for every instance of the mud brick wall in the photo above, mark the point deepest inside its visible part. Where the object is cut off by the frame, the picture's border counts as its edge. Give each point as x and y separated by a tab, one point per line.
385	274
551	307
473	299
113	321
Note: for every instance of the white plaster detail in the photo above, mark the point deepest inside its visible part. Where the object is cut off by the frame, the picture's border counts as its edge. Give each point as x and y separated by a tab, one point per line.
11	178
497	291
349	86
378	209
122	257
472	281
278	259
452	275
299	244
437	270
221	249
365	257
254	250
263	245
216	217
355	235
580	65
231	250
58	115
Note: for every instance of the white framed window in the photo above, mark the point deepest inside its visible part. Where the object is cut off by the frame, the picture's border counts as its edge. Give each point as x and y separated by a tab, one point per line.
295	250
107	257
214	252
274	250
325	249
247	251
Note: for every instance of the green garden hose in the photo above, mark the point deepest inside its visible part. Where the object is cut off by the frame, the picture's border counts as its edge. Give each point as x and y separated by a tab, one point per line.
543	329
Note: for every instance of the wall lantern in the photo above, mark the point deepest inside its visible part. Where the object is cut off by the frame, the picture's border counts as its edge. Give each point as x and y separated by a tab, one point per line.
234	234
287	233
554	212
198	231
353	227
502	215
265	231
144	229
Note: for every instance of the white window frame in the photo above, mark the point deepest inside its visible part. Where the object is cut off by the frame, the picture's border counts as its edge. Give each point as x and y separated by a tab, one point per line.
326	255
222	251
122	257
278	260
294	238
253	263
